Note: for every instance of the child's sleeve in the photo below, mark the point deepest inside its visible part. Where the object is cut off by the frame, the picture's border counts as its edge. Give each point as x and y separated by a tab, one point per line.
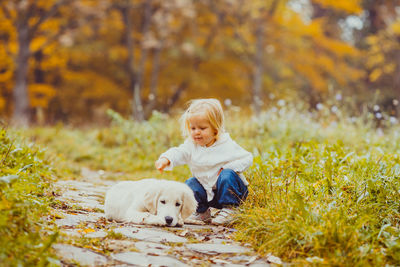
179	155
241	159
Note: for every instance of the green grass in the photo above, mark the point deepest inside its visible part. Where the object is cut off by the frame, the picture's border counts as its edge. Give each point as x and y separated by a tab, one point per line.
324	193
25	198
125	146
324	187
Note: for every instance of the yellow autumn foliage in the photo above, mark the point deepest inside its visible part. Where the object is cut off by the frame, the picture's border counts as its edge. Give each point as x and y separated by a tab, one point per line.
2	103
375	60
396	27
340	48
41	94
6	66
38	42
375	74
204	48
313	75
92	86
349	6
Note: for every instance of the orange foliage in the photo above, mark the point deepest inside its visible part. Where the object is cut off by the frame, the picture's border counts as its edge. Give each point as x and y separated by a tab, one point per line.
349	6
205	48
40	95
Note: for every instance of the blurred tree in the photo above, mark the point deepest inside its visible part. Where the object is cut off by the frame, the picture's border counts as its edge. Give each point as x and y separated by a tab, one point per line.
135	56
92	80
28	18
7	36
290	49
148	28
136	71
380	38
196	51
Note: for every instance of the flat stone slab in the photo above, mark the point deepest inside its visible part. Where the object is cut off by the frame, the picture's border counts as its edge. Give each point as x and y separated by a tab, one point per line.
141	245
90	204
152	248
119	245
83	186
83	256
213	249
150	235
138	259
77	195
84	203
70	220
83	194
84	233
96	234
71	233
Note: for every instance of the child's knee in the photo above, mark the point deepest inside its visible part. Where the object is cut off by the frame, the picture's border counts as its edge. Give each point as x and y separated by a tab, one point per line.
194	184
228	175
191	182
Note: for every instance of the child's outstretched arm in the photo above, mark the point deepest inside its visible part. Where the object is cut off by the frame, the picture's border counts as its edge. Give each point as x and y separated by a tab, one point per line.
174	156
161	163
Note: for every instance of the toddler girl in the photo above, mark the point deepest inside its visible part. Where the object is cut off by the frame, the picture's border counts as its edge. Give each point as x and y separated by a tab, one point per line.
215	160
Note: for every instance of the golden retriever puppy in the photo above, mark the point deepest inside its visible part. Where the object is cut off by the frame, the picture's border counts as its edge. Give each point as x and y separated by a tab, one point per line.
150	201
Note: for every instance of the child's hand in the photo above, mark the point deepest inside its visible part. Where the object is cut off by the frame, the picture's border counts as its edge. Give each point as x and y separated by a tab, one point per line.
162	163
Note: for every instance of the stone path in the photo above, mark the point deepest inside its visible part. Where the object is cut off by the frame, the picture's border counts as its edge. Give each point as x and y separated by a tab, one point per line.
88	239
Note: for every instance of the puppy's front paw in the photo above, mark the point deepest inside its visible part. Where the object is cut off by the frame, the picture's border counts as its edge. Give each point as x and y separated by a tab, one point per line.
155	220
192	221
180	222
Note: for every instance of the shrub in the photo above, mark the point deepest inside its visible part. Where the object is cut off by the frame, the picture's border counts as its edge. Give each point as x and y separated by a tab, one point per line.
24	202
327	196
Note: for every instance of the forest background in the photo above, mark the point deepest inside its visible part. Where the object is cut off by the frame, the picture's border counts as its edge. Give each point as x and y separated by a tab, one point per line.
70	61
321	76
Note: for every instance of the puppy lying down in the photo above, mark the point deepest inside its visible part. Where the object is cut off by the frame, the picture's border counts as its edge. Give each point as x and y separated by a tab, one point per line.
150	201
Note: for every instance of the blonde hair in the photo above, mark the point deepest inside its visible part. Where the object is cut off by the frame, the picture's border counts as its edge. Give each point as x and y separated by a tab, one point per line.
212	110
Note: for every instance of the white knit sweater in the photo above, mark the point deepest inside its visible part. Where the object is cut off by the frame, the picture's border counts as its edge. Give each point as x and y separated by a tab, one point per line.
205	162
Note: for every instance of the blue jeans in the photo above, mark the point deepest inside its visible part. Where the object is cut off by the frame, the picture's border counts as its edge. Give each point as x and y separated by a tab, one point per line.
230	191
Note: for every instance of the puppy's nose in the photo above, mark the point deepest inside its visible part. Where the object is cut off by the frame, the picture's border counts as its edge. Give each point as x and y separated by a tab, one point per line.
168	219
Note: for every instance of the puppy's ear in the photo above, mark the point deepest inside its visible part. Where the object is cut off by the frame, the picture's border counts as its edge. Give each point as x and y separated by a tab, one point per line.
189	203
150	201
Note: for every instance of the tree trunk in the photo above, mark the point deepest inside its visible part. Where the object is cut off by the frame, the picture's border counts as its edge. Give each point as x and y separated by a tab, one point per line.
142	62
154	80
396	82
25	33
20	94
137	108
136	75
258	68
175	97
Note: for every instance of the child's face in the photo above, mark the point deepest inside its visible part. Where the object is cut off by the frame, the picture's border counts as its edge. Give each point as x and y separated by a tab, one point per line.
201	131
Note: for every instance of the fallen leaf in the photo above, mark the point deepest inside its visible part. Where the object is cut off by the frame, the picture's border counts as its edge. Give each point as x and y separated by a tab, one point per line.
153	254
201	238
89	230
220	261
184	233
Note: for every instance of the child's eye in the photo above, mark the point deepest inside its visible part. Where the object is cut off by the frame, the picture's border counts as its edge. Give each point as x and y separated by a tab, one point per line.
162	201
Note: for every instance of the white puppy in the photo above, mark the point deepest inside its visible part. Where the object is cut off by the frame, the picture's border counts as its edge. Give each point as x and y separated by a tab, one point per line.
150	201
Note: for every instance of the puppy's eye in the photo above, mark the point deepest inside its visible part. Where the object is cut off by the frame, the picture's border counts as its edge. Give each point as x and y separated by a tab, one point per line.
177	204
162	201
